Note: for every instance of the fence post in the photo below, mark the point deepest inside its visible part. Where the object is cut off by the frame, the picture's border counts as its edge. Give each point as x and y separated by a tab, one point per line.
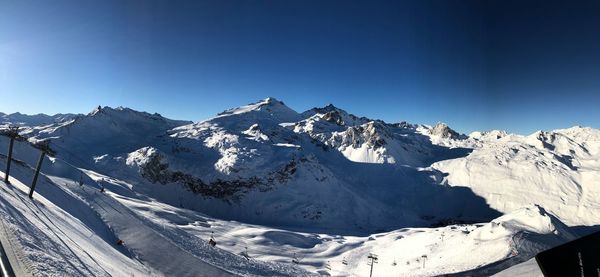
9	159
44	147
37	172
12	133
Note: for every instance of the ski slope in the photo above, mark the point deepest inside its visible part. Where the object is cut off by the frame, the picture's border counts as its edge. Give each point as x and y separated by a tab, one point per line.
292	194
428	251
68	229
53	242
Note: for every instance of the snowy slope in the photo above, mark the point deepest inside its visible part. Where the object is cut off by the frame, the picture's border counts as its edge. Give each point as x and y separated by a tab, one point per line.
104	131
59	235
528	268
254	165
488	247
323	184
559	170
521	233
79	225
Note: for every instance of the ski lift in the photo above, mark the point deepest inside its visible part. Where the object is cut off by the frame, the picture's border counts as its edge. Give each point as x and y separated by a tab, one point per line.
212	241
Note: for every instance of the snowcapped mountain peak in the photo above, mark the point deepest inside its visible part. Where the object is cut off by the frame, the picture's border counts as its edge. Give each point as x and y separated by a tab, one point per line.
124	114
489	135
268	108
443	130
23	120
329	108
333	114
587	135
95	111
105	130
577	130
106	109
316	110
271	100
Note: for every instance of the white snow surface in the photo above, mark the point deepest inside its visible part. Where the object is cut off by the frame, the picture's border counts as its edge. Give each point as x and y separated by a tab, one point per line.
72	228
295	193
558	170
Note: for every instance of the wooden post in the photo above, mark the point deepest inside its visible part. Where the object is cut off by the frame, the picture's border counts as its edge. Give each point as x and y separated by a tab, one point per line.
9	159
37	172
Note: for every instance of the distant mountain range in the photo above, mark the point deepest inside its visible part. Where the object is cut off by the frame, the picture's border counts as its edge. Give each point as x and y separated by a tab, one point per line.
20	119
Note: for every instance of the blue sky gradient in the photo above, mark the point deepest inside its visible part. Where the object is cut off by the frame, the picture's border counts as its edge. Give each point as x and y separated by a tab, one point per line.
477	65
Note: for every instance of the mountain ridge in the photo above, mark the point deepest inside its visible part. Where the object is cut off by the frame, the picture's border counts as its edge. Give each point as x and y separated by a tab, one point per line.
324	171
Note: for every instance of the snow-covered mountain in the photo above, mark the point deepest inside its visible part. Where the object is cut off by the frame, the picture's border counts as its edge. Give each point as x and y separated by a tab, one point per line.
257	164
20	119
558	170
329	186
105	131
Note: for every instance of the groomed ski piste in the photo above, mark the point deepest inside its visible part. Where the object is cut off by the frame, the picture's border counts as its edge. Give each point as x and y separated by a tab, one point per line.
69	229
72	229
292	196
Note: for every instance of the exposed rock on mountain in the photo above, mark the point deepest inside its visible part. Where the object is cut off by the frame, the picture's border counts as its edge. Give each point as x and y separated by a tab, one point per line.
442	130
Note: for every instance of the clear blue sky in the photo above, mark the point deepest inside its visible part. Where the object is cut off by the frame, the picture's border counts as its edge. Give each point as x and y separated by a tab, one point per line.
477	65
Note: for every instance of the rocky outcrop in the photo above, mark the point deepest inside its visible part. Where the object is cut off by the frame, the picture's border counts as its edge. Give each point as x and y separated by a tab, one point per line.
154	168
373	134
442	130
